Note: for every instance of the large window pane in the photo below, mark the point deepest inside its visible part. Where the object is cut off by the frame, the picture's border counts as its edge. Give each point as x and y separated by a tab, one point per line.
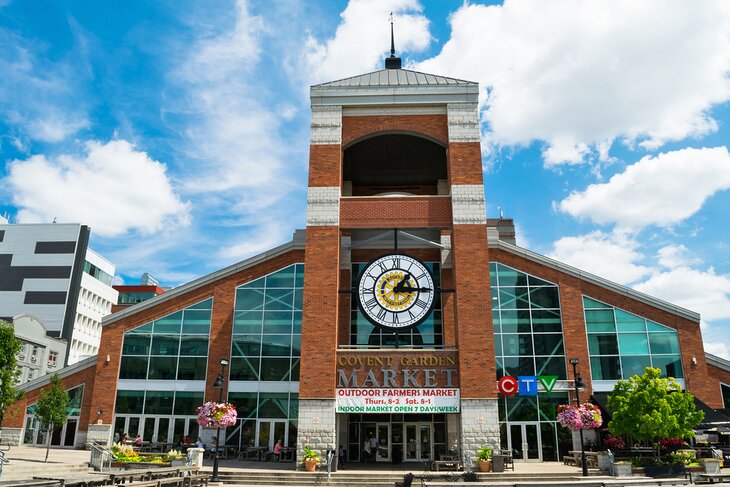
600	320
245	368
194	345
546	321
281	278
187	402
589	303
168	325
162	368
664	343
135	344
278	321
273	405
196	321
514	321
670	365
165	345
276	345
247	322
192	368
279	299
634	365
633	344
629	322
606	344
246	403
516	366
511	277
544	297
548	344
249	299
129	402
275	369
522	408
605	368
246	345
158	402
551	366
513	298
517	344
133	368
299	282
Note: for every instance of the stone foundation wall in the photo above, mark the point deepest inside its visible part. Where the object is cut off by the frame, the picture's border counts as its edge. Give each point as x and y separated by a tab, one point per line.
316	427
11	436
479	425
100	433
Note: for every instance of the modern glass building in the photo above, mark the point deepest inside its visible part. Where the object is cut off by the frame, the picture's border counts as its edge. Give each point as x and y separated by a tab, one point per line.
392	318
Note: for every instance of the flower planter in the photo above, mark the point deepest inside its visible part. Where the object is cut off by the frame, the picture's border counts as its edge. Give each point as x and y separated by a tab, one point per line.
310	464
179	463
485	465
710	465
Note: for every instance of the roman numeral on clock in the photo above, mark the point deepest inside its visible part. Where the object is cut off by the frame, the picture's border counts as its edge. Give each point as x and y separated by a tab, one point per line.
395	263
371	303
381	314
423	304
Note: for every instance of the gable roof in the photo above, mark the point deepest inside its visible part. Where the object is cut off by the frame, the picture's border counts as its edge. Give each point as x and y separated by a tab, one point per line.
395	77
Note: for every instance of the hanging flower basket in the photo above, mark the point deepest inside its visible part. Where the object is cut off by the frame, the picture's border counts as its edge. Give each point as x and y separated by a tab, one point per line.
587	416
216	415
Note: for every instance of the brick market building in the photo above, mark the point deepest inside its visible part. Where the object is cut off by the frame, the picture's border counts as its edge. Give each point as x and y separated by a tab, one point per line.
391	316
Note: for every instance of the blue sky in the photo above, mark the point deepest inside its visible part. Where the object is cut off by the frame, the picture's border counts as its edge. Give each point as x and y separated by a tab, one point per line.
179	130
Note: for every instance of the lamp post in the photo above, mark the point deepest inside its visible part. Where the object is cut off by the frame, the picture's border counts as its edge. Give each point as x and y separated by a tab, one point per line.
218	384
578	382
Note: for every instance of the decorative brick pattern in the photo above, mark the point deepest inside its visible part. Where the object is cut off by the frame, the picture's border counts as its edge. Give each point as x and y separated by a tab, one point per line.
323	206
394	111
479	424
463	121
326	124
432	126
697	377
468	204
316	426
395	212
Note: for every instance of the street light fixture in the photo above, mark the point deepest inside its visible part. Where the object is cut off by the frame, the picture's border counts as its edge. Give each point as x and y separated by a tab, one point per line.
218	384
578	382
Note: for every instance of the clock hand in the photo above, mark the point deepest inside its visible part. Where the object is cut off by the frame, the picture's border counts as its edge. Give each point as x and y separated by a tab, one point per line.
399	288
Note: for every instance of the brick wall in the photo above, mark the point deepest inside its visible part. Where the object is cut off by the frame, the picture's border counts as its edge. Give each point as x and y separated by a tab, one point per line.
223	291
412	212
433	126
475	334
465	163
320	313
717	375
697	376
325	168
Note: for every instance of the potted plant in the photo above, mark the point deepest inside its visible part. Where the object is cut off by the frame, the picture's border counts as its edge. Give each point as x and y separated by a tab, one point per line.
310	459
484	456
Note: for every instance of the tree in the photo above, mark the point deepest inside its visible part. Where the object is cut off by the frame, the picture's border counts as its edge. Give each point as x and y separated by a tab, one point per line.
9	348
648	408
52	407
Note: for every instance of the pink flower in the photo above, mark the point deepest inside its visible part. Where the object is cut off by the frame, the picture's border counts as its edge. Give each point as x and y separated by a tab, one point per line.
586	417
217	415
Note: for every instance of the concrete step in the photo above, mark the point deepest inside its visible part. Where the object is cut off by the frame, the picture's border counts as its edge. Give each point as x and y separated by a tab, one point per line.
20	470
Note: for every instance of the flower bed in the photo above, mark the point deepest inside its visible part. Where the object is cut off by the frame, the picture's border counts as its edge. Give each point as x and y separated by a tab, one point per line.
125	455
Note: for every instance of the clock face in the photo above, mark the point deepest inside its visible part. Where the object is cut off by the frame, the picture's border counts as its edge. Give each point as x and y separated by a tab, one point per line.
396	291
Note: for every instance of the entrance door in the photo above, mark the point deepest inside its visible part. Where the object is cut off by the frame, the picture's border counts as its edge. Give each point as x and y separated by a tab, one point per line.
382	436
156	429
270	431
525	441
419	441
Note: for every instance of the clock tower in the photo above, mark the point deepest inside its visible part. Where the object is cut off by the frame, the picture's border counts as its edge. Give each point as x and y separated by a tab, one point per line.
396	263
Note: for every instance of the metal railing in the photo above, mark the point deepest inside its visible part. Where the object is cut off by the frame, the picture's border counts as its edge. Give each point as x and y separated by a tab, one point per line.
3	460
101	458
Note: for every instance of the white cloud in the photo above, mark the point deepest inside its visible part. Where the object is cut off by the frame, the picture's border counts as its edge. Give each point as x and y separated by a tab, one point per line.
661	190
579	74
363	38
673	256
702	291
612	256
718	348
113	187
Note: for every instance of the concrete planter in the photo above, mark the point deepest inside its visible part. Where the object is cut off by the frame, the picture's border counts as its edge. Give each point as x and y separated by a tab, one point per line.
622	469
710	465
604	464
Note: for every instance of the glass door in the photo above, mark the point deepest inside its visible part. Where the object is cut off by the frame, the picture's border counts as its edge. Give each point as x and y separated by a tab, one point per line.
525	442
383	439
270	431
419	441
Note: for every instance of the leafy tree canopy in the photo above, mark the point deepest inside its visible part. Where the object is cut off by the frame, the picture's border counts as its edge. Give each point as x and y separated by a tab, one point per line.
9	348
52	407
648	407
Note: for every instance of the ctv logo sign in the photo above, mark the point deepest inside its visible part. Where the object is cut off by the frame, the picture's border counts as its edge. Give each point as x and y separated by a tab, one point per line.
526	385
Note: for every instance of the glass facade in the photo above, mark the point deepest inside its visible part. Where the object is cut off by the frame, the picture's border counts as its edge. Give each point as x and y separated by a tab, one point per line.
428	334
97	273
267	327
622	344
36	432
174	347
725	395
264	418
528	340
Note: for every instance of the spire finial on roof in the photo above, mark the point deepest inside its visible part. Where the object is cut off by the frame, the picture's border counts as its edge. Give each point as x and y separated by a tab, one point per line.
392	62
